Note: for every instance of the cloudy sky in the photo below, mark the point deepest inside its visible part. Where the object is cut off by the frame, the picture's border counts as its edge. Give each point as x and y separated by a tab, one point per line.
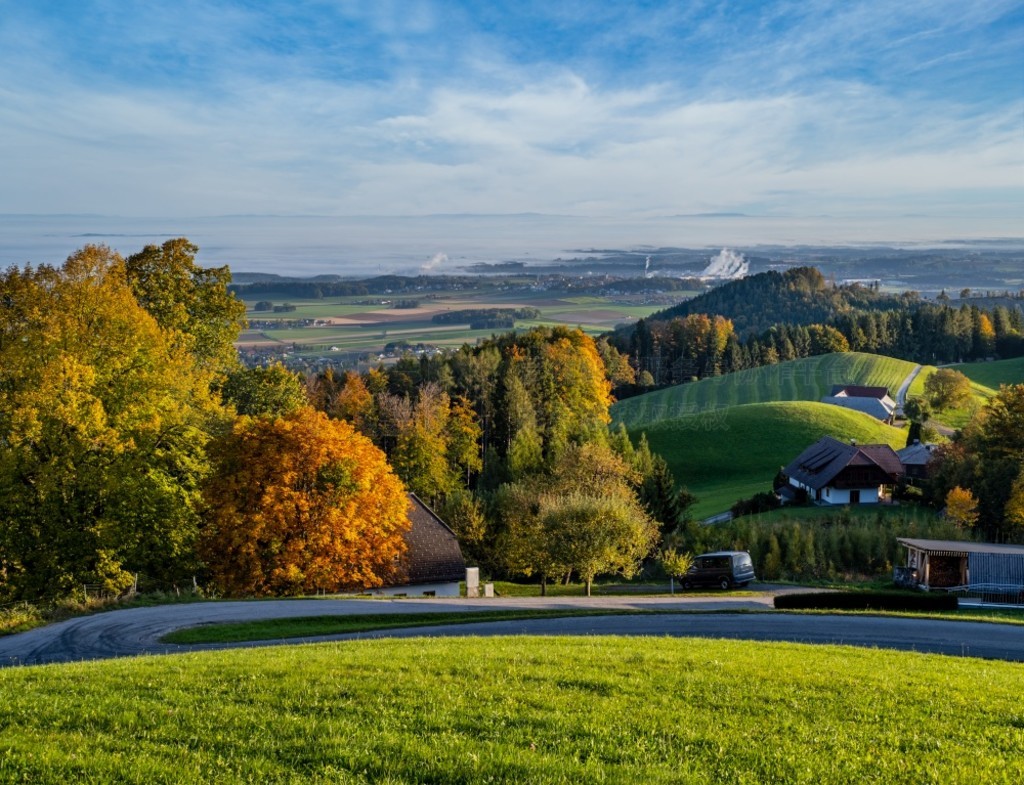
588	108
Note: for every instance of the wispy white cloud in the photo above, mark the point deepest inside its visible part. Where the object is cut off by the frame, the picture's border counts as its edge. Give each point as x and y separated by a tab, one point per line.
420	107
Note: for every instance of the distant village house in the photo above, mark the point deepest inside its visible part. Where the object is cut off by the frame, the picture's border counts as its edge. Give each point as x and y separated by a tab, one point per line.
835	472
874	401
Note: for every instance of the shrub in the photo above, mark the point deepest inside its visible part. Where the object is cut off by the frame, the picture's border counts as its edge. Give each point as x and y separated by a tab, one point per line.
878	601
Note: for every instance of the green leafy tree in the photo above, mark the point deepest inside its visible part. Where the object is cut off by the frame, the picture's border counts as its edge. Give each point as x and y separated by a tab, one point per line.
947	389
595	534
582	516
190	301
104	421
273	390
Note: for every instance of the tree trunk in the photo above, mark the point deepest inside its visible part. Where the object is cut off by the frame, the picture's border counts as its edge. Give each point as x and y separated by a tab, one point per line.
543	585
588	586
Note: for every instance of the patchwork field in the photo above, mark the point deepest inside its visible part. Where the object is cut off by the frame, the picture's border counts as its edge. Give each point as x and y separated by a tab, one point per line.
521	709
369	323
723	455
809	379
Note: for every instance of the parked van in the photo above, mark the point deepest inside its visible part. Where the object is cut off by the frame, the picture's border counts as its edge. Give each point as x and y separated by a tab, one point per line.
724	569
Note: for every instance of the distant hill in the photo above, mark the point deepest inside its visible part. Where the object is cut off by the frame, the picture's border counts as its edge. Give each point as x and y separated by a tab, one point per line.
808	379
728	454
800	295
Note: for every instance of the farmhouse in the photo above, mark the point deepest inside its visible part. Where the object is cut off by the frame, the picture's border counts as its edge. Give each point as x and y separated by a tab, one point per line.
433	564
874	401
915	458
834	472
981	568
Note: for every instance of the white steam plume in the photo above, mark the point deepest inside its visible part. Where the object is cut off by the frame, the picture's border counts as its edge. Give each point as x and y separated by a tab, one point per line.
435	261
726	264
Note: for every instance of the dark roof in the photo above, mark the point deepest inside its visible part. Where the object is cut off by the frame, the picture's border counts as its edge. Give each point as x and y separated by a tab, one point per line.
916	454
433	554
820	463
875	407
860	391
958	548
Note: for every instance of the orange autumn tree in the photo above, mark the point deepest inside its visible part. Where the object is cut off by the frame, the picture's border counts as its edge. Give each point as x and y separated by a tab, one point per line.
300	504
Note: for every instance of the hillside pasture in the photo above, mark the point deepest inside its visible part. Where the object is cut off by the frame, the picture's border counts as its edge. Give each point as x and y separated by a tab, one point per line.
523	709
959	416
808	379
993	374
724	455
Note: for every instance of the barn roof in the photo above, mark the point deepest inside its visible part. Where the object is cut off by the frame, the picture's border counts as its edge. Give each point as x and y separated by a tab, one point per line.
819	464
959	548
860	391
433	554
879	409
916	454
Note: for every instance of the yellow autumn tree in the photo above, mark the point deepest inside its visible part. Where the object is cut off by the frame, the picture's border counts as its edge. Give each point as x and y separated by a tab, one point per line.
961	507
299	504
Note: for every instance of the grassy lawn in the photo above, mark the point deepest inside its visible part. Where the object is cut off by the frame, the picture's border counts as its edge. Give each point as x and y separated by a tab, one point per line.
729	454
549	710
809	379
995	373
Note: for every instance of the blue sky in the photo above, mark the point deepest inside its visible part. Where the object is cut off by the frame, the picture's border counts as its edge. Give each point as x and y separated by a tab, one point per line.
403	107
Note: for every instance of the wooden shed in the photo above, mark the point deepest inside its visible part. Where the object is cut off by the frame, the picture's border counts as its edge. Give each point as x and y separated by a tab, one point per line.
980	568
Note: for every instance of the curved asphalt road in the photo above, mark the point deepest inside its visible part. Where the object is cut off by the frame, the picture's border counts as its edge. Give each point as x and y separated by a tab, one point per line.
137	631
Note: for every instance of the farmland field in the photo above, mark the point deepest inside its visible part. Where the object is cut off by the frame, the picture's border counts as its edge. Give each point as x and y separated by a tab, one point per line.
728	454
809	379
517	710
369	323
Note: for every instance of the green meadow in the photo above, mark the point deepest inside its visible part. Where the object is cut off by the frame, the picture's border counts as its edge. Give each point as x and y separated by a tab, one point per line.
993	374
723	455
809	379
524	710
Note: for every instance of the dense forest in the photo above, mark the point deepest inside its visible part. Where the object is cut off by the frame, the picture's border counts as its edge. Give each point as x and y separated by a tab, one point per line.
773	317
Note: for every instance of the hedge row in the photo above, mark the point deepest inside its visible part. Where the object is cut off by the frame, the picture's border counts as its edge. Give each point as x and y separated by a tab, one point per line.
892	601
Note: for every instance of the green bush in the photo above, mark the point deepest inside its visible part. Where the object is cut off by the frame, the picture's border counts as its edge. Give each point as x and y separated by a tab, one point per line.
832	548
888	601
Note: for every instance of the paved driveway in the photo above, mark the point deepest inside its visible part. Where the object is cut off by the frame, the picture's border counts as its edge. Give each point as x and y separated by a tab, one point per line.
137	631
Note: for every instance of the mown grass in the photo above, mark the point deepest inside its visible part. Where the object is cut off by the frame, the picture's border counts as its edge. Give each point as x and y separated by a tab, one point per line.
956	417
809	379
993	374
312	626
729	454
528	710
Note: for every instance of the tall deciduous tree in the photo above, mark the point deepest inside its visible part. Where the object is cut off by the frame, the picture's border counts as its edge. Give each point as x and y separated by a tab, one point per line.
104	419
273	390
947	388
582	516
191	301
302	503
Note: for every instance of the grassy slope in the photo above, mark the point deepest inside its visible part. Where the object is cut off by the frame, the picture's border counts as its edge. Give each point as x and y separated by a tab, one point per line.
993	374
809	379
958	417
729	454
517	710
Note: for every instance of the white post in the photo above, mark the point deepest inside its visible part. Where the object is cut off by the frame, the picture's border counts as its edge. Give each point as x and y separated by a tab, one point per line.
472	581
